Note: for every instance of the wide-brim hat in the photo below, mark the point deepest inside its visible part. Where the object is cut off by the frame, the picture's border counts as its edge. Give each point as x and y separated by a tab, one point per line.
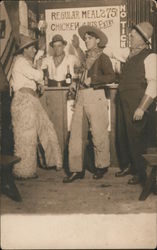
101	35
145	30
24	42
57	38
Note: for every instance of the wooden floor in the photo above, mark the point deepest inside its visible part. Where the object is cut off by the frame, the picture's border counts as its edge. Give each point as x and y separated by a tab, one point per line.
48	195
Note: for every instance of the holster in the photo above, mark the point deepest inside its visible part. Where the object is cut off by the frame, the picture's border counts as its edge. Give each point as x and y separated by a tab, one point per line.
97	86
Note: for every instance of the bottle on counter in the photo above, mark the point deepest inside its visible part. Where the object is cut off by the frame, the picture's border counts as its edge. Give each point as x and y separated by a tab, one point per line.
46	76
68	78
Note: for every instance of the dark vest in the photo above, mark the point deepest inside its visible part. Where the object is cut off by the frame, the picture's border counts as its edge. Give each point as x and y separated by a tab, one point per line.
99	66
133	73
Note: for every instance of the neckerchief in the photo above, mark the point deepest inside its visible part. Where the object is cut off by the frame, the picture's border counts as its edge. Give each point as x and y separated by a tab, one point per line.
58	59
91	56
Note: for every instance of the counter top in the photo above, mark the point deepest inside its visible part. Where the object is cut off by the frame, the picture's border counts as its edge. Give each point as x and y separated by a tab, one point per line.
111	86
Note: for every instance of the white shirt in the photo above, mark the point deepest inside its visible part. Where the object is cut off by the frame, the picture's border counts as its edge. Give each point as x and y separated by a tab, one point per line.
150	64
59	73
24	75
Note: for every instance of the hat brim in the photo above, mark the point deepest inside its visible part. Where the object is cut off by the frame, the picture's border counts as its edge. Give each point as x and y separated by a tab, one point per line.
140	32
26	45
87	28
63	41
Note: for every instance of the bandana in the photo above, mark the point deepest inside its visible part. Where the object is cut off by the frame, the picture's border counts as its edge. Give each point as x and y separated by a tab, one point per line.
58	59
92	56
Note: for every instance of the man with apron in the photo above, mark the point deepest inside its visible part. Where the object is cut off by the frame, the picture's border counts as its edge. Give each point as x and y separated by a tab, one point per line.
136	105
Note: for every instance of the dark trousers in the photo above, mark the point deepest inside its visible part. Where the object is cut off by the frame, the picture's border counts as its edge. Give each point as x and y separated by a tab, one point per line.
133	137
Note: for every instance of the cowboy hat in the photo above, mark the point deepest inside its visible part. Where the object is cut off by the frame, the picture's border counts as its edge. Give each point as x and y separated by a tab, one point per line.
57	38
25	41
101	35
145	30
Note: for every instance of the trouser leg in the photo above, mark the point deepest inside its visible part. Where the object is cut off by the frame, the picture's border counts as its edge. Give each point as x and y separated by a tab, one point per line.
138	145
98	117
25	147
137	137
25	136
78	138
152	125
121	137
48	139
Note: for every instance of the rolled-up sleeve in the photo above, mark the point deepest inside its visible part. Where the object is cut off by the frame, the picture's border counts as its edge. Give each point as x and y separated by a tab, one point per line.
28	71
120	54
151	75
36	74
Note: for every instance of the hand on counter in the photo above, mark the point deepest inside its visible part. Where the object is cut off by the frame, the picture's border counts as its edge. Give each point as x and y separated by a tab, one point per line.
72	87
38	63
87	81
72	91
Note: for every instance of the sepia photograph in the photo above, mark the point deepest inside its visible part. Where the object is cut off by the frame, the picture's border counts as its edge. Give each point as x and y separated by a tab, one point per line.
78	124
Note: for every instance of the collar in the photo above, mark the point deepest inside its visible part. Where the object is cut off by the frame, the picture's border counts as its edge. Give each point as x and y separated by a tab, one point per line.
58	59
136	51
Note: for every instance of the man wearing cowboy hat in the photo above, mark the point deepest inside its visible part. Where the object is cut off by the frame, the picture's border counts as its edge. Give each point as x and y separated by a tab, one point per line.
30	121
57	63
136	106
91	107
57	66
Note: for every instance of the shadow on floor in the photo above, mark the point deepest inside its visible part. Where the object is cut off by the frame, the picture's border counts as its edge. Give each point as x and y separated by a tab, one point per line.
49	195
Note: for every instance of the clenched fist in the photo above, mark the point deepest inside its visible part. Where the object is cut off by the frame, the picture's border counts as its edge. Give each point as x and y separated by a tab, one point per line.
87	81
138	115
